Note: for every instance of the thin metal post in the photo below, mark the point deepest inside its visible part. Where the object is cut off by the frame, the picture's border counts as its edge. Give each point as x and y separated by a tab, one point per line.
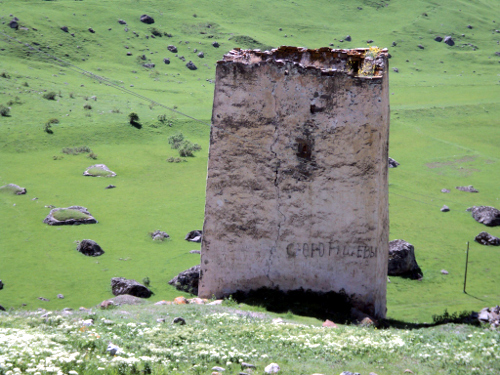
466	264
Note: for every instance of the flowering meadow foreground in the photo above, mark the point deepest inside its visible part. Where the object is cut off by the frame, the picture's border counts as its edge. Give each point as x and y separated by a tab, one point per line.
144	340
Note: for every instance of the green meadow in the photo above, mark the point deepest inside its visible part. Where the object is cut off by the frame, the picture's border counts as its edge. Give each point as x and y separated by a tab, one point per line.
445	110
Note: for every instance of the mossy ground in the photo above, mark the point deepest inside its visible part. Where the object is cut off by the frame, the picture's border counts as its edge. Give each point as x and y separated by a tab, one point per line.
444	132
69	214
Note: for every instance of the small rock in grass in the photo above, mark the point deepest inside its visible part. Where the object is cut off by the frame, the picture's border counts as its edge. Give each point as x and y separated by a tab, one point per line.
122	22
166	60
190	65
172	48
272	368
349	373
396	70
348	38
113	349
60	296
89	248
247	365
195	252
445	208
420	46
216	44
65	29
408	371
449	41
110	187
159	235
402	260
120	285
444	272
445	191
393	163
163	302
219	369
484	238
2	308
369	41
160	320
179	320
438	38
467	189
43	299
194	236
201	55
329	324
147	19
180	301
149	65
107	304
187	280
91	30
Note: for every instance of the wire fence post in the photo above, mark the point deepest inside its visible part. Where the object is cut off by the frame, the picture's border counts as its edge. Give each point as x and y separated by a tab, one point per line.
466	264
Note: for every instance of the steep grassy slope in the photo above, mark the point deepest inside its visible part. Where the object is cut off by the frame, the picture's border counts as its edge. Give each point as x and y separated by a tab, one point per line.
444	132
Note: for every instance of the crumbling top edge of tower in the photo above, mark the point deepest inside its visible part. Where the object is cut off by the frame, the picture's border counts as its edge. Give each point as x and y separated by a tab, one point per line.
369	63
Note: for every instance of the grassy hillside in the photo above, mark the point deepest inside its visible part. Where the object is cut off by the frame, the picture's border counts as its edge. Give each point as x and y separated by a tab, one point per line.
444	132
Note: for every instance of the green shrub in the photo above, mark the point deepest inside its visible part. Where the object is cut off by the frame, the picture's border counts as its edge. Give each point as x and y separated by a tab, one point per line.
186	148
4	111
92	156
87	106
155	32
133	117
175	140
51	95
5	75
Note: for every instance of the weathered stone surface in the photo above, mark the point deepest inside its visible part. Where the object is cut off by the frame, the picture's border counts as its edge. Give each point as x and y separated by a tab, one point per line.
51	220
147	19
190	65
89	248
99	170
402	260
393	163
449	40
297	175
486	215
13	189
120	285
445	208
188	280
484	238
468	189
194	236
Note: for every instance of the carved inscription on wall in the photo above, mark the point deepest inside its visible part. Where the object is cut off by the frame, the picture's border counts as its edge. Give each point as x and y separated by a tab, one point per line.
330	249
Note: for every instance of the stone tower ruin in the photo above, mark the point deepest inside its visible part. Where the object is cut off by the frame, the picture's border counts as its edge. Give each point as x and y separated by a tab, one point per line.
297	193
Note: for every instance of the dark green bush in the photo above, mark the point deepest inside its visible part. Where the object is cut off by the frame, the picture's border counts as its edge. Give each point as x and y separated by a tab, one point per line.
175	140
51	95
4	111
133	117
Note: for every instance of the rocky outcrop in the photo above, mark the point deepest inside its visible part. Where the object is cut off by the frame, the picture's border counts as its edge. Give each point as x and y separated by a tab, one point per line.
120	286
486	215
490	315
187	281
89	248
402	260
69	216
484	238
194	236
13	189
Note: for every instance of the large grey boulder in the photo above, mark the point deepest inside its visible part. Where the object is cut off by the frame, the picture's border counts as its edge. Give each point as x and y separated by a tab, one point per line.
89	248
402	260
73	215
486	215
13	189
188	280
484	238
120	285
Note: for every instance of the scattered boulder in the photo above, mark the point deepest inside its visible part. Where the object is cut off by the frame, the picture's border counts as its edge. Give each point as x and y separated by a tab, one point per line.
348	38
468	189
393	163
216	44
110	187
445	208
194	252
13	24
188	280
120	285
445	190
149	65
469	26
43	299
179	320
190	65
486	215
99	170
159	235
172	48
2	308
194	236
13	189
396	70
113	349
89	248
166	60
272	368
444	272
201	55
484	238
122	22
369	41
420	46
92	30
329	324
449	41
1	285
60	296
106	304
65	29
438	39
394	44
490	315
73	215
402	260
147	19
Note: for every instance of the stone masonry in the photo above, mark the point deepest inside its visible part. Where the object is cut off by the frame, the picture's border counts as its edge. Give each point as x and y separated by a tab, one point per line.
297	193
